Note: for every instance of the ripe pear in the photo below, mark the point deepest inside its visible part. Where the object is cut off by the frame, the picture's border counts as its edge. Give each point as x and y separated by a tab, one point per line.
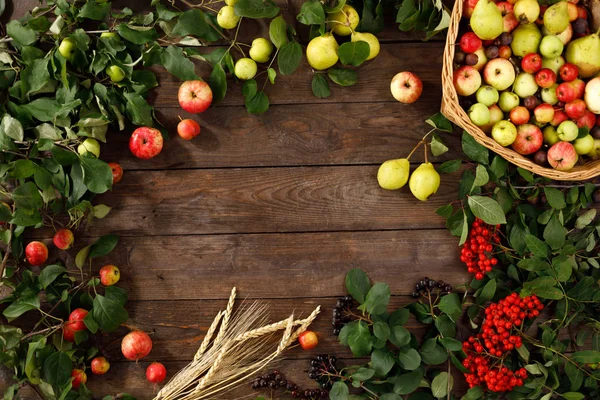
424	181
393	174
526	39
346	20
556	18
585	53
486	21
371	39
527	11
322	52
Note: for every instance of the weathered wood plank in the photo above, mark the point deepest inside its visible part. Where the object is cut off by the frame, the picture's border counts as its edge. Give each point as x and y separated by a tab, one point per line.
291	135
278	265
259	200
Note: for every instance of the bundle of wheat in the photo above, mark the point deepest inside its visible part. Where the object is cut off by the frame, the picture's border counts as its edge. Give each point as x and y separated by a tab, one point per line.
244	345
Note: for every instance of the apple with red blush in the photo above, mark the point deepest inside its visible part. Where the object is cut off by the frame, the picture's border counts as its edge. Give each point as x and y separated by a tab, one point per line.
531	63
588	120
568	72
544	113
545	78
519	115
146	142
195	96
466	80
565	92
559	117
529	139
562	156
575	109
470	42
188	129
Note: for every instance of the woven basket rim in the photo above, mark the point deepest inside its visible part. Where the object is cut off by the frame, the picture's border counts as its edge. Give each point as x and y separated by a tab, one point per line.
454	112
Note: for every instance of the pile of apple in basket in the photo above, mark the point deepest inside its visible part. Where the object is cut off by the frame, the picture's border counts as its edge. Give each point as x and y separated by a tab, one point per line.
528	74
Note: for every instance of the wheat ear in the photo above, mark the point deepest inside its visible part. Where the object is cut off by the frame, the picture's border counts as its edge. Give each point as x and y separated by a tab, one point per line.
208	336
304	325
226	317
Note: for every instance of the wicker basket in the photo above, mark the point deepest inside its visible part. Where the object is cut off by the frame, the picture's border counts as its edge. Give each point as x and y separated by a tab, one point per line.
453	111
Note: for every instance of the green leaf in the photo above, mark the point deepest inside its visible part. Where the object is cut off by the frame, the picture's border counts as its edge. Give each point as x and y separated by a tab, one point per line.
21	34
399	335
437	146
381	330
360	340
377	299
139	35
451	344
101	211
342	76
339	390
445	326
12	128
409	358
97	175
585	219
474	393
408	383
544	287
451	306
563	266
439	121
358	284
218	82
573	396
27	196
353	53
175	61
272	74
382	361
311	13
487	209
586	357
97	11
278	32
256	9
289	57
481	177
320	86
90	323
20	306
536	246
432	353
498	167
103	246
22	168
363	374
138	110
57	369
258	104
441	385
449	166
533	264
487	293
82	255
50	273
194	23
108	313
474	150
555	233
555	198
116	293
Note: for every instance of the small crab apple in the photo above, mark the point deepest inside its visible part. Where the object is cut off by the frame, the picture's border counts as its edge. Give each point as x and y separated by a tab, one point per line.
100	366
156	372
588	120
545	78
36	253
308	340
565	92
79	376
544	113
117	172
559	117
531	63
188	129
504	52
519	115
109	275
146	142
136	345
76	318
509	22
63	239
568	72
195	96
578	86
575	109
562	156
68	333
470	42
529	139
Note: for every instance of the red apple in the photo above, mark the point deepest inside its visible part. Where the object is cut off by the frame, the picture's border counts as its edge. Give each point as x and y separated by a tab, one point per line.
565	92
545	78
100	366
76	318
195	96
544	113
505	52
109	275
562	156
559	117
117	172
308	340
573	12
468	7
466	80
68	333
583	14
578	87
406	87
36	253
568	72
510	22
519	115
531	63
505	7
588	120
79	377
156	373
575	109
529	139
136	345
470	42
188	129
63	239
146	142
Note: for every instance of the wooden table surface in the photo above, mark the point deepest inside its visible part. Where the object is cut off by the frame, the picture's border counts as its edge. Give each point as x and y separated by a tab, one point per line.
280	205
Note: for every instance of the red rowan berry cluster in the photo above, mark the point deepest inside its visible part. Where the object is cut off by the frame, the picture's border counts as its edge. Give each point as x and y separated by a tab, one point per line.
476	252
487	350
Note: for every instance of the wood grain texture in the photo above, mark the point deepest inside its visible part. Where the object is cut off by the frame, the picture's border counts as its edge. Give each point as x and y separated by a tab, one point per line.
289	135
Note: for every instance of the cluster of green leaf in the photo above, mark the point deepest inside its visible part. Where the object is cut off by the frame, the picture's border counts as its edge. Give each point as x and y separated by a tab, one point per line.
429	16
400	365
42	357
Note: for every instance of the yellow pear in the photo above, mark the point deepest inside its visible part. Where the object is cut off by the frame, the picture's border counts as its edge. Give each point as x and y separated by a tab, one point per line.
556	18
486	21
585	53
346	20
321	52
393	174
424	181
370	39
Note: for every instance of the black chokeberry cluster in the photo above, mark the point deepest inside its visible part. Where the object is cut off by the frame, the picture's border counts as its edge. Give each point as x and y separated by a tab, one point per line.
427	285
276	381
323	370
340	313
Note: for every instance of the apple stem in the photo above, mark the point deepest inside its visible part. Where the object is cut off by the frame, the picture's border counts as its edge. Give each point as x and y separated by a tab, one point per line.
179	116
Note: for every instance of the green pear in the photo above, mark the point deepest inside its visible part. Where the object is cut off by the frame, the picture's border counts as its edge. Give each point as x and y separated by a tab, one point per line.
321	52
424	181
526	39
393	174
585	53
486	20
556	18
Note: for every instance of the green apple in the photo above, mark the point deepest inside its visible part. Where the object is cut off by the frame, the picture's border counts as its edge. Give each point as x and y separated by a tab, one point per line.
567	131
245	68
553	63
67	48
487	95
508	101
261	50
110	35
525	85
595	153
584	145
479	114
89	145
115	73
549	95
551	46
226	18
550	135
504	132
